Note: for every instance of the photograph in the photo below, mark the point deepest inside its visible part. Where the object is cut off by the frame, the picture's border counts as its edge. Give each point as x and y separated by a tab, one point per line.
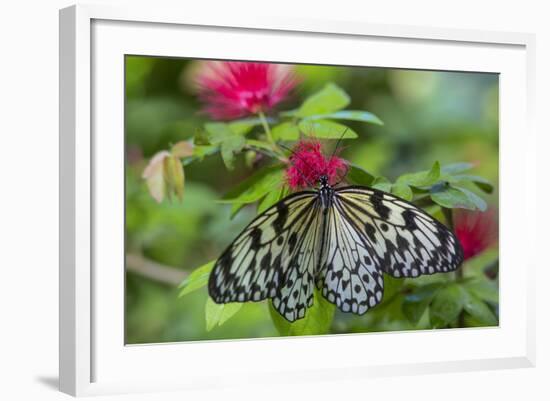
271	199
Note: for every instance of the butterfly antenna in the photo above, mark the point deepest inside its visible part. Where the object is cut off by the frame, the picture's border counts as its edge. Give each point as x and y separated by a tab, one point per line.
338	143
287	148
334	153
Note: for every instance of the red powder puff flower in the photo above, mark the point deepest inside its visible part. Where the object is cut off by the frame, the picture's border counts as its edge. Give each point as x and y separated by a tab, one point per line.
231	90
307	164
476	231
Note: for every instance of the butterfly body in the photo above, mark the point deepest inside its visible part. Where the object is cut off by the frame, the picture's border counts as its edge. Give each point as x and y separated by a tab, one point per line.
338	239
326	193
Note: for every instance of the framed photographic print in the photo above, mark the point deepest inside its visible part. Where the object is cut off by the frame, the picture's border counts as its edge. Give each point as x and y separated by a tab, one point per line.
226	197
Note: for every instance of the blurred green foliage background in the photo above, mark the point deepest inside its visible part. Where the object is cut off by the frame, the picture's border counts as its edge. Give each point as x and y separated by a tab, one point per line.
428	116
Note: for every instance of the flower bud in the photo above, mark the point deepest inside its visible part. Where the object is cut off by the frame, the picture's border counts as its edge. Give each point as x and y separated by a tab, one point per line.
164	176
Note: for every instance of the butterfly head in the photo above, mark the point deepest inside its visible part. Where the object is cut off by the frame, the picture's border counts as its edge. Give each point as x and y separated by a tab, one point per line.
323	181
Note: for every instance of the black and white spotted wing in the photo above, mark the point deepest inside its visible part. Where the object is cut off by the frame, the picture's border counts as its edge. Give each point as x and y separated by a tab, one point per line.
342	245
404	240
274	257
349	275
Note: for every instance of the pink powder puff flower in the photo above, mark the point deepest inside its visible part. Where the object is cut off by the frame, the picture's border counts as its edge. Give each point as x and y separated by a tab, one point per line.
476	231
231	90
307	164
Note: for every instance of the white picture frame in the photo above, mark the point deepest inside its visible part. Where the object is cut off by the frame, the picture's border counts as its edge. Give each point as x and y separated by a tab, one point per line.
94	360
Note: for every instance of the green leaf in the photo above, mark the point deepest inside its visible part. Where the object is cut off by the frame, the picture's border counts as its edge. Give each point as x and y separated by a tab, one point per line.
259	144
480	182
479	202
328	100
244	126
201	138
483	289
358	175
250	181
451	197
326	129
433	175
456	168
230	146
456	197
230	137
217	132
197	279
200	151
415	304
318	318
287	131
422	178
236	208
382	184
450	174
446	306
260	186
402	190
218	314
351	115
479	310
271	198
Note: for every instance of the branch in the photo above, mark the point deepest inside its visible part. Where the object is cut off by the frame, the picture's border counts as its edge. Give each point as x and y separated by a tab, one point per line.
155	271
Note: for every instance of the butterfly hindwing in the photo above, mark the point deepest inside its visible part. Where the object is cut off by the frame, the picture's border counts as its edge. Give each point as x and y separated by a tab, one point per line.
348	275
296	292
405	240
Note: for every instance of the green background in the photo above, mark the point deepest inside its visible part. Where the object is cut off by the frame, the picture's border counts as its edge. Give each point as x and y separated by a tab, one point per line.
427	115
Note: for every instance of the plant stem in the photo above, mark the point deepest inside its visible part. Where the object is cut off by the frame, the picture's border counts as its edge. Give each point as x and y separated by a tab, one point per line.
136	263
267	131
459	274
265	125
276	149
448	213
267	153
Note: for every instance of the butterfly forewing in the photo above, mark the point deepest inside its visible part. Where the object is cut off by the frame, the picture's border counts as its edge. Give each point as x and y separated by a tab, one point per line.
405	240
